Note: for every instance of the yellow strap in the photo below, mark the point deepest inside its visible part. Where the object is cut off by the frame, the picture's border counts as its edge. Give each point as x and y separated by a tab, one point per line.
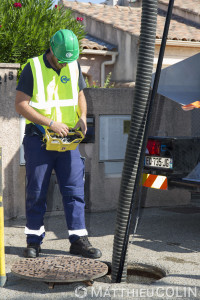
2	248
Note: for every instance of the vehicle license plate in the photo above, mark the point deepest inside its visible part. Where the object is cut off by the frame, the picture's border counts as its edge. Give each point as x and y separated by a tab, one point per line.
158	162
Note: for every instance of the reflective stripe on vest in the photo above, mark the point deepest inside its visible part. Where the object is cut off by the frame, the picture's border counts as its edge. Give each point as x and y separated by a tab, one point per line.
40	82
53	103
43	104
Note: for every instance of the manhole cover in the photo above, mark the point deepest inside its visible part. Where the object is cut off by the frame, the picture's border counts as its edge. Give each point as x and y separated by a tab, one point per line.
59	269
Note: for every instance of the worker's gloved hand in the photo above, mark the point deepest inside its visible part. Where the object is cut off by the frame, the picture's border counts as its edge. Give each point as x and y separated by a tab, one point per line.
191	106
60	128
82	123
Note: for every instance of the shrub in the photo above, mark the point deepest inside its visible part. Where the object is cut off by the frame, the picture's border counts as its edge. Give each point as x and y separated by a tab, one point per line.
26	28
107	83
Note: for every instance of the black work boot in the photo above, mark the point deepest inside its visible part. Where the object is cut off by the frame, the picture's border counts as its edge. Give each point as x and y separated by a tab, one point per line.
83	247
32	251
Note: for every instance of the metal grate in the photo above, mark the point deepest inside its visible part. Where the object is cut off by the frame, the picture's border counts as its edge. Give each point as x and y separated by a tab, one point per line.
59	269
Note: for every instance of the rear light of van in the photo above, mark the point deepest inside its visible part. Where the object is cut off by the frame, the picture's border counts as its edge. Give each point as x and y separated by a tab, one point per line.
153	147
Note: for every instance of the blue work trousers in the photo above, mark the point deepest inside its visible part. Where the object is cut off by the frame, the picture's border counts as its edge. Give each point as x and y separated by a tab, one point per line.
69	169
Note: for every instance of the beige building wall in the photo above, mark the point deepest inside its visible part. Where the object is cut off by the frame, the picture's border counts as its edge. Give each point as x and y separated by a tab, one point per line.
91	67
175	51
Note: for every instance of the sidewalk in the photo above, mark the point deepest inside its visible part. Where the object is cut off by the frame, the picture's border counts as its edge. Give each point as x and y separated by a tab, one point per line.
168	238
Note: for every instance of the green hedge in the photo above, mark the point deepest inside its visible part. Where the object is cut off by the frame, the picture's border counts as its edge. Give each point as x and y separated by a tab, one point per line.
26	28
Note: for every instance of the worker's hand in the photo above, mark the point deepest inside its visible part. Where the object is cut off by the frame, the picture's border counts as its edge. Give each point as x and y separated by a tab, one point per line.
82	123
60	128
191	106
187	107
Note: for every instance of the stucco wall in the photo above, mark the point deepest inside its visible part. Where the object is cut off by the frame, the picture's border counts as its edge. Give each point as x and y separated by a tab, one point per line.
13	174
104	191
91	67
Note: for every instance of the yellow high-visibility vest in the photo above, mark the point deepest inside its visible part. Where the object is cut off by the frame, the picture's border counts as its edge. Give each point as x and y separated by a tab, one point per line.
55	96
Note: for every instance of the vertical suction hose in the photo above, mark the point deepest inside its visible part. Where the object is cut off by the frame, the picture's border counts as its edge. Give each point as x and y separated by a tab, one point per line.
130	174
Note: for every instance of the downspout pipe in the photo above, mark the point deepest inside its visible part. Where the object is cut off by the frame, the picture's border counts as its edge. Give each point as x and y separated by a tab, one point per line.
130	175
106	63
113	54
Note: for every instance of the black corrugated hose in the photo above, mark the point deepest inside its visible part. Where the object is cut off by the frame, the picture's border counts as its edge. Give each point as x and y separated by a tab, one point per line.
130	176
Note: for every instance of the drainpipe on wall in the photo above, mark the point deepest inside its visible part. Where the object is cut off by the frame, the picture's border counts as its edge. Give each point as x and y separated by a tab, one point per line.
105	63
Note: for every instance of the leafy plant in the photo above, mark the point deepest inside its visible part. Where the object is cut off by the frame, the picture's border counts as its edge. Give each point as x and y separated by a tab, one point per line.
95	84
27	26
107	83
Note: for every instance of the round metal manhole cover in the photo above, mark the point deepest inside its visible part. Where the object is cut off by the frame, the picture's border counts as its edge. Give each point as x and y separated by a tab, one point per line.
59	269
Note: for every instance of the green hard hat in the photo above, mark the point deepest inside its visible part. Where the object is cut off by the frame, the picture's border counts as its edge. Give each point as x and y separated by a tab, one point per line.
65	46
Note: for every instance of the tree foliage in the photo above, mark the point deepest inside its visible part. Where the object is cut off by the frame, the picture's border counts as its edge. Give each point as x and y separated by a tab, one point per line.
27	26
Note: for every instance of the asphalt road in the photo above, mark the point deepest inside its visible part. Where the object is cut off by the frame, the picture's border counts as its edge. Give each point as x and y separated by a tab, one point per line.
166	238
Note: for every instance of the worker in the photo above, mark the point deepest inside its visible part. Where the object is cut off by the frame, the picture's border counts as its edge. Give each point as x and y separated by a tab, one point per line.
50	94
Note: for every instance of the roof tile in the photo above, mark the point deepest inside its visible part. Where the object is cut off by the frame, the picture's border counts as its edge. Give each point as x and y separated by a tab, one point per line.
192	6
129	18
90	42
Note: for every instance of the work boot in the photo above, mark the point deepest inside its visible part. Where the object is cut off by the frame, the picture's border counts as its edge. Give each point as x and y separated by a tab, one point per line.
32	251
83	247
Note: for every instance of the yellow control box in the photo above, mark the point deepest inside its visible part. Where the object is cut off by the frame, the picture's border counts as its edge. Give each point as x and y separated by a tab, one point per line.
54	142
